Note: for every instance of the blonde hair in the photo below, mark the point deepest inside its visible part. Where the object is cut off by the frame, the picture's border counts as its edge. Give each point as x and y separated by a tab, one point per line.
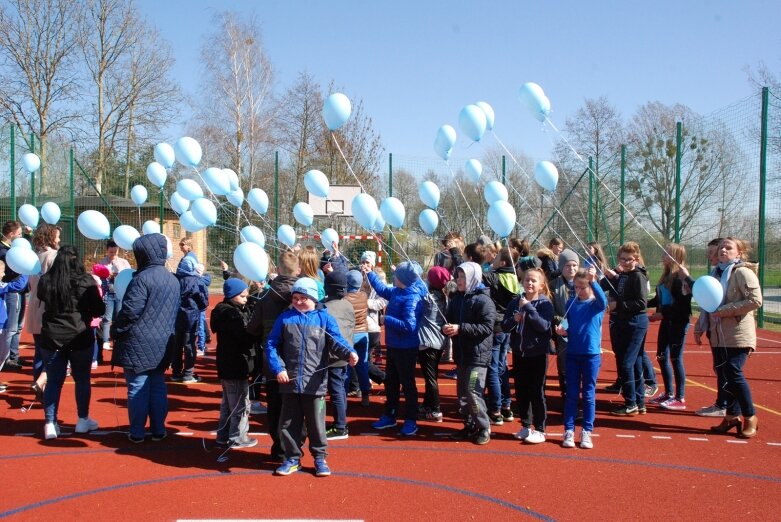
307	260
543	279
288	263
743	246
678	254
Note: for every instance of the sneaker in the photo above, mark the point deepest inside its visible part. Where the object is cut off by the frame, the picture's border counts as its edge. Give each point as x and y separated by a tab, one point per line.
107	346
613	388
641	410
85	425
507	414
428	414
452	374
321	467
483	437
651	390
585	440
244	443
625	411
674	404
535	437
191	379
288	466
336	433
257	408
201	352
135	440
176	378
409	428
94	365
658	400
465	433
713	410
355	393
496	418
522	434
569	439
51	430
384	422
3	387
365	401
13	364
159	437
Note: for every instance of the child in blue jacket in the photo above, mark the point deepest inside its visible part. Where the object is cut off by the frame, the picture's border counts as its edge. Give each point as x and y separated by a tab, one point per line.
582	324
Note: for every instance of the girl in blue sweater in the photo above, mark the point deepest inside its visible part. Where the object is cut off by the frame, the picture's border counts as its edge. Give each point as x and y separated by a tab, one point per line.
582	324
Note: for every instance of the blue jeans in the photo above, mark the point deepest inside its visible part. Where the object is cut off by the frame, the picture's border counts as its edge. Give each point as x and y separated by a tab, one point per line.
56	364
582	371
338	394
109	316
730	363
202	331
400	373
672	337
147	396
498	396
9	339
627	335
361	345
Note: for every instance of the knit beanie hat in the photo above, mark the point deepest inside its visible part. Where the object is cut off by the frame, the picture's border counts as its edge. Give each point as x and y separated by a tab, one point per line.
438	276
335	284
354	280
566	256
407	272
232	287
369	256
306	286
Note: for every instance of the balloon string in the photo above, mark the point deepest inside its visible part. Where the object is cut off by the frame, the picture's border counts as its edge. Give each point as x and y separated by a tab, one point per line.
349	167
477	222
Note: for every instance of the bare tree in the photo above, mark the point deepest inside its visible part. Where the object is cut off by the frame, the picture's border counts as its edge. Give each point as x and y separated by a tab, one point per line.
38	51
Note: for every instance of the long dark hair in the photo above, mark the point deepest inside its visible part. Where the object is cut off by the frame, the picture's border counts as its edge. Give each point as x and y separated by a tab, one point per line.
57	285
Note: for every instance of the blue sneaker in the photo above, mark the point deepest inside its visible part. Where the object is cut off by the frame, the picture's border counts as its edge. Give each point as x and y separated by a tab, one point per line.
386	421
321	467
410	428
288	466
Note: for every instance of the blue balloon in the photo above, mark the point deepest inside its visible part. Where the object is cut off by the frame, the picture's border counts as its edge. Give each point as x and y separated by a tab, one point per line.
151	227
253	234
494	191
138	194
50	212
429	194
546	175
428	220
336	110
23	260
21	242
364	210
473	170
217	181
31	162
188	152
489	114
316	183
233	178
93	225
28	215
124	235
286	235
708	293
189	189
204	211
236	197
179	203
472	121
258	200
164	155
251	261
303	213
328	237
392	211
443	143
379	224
189	223
501	218
121	281
156	174
533	97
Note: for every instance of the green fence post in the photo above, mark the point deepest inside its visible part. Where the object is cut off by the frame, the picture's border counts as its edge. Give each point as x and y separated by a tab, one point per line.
678	154
623	194
13	173
72	185
32	174
762	201
504	170
590	199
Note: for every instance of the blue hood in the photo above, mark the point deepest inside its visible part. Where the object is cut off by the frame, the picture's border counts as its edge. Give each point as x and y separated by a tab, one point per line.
150	250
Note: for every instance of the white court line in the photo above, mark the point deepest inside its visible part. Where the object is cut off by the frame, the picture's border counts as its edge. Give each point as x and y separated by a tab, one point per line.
258	433
769	443
766	339
699	439
622	436
737	441
661	437
184	433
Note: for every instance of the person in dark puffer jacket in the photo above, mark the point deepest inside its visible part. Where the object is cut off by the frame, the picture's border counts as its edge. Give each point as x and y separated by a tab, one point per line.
470	323
144	336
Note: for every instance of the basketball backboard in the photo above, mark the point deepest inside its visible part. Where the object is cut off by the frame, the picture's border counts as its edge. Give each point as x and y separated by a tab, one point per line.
338	203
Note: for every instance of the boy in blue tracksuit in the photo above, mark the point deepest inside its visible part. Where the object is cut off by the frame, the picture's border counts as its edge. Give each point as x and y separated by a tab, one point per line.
582	324
402	320
298	350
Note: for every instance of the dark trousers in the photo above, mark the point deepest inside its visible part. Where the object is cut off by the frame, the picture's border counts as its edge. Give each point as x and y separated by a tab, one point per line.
185	345
429	366
336	391
669	353
722	397
627	336
730	362
400	375
274	403
301	412
530	389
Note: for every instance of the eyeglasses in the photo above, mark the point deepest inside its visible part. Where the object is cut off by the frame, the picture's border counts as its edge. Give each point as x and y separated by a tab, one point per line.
626	259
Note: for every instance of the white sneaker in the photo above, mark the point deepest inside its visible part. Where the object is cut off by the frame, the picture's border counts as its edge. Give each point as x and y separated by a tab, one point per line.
94	365
521	435
711	411
107	346
585	440
569	439
85	425
51	430
535	437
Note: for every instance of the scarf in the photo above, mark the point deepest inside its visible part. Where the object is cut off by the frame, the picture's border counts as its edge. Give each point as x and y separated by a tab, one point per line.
725	269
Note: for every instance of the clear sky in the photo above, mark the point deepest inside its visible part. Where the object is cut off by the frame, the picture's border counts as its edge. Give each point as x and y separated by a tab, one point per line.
415	64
